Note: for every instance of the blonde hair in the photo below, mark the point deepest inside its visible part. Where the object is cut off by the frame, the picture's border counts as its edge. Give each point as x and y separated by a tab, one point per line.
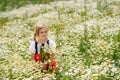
37	29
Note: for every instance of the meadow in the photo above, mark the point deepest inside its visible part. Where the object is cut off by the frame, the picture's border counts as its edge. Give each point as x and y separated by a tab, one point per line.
87	34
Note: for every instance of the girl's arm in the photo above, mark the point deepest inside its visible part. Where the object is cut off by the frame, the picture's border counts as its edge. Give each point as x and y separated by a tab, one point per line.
32	56
32	50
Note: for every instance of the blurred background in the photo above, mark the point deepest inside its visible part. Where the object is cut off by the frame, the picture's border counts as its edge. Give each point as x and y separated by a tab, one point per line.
87	34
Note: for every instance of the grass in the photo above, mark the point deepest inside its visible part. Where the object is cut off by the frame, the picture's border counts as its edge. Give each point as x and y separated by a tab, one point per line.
3	21
7	5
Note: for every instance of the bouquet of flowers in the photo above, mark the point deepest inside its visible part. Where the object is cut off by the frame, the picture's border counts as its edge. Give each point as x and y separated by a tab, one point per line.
48	59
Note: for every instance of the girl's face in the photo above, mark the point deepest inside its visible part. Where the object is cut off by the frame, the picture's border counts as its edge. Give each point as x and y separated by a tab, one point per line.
43	33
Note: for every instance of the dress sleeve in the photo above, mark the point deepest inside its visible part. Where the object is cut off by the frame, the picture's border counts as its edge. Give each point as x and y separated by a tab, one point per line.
32	47
52	43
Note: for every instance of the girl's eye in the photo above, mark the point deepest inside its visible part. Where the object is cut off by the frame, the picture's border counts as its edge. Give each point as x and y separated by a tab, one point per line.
45	31
41	32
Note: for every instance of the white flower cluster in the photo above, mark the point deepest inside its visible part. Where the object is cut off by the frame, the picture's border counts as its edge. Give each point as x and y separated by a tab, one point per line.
87	38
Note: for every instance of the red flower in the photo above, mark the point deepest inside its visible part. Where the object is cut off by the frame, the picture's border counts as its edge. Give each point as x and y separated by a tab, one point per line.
37	57
53	64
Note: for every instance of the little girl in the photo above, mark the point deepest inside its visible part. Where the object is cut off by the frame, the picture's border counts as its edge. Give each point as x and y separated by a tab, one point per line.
40	40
